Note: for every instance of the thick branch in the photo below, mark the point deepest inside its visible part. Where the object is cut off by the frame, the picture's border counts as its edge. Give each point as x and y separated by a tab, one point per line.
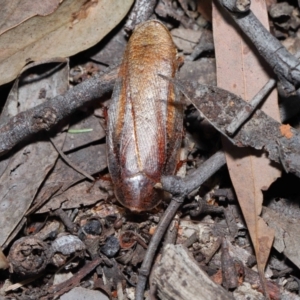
284	64
182	187
141	12
48	114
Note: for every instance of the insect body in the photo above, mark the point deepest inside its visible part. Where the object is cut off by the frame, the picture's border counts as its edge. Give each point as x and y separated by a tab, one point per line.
144	118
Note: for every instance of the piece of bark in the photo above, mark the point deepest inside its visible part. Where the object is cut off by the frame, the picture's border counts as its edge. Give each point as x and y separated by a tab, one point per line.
229	272
231	221
282	9
287	234
202	71
179	277
287	205
261	132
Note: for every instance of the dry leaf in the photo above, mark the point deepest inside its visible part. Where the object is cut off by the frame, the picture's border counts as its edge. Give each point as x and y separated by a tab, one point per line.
79	195
186	39
73	27
84	158
24	171
75	140
14	12
240	71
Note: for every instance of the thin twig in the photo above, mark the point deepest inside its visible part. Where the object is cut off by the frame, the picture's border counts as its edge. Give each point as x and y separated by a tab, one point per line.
249	109
191	240
180	188
153	245
61	288
69	163
171	234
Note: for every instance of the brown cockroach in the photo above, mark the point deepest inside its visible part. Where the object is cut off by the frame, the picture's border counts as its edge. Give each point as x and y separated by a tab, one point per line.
145	118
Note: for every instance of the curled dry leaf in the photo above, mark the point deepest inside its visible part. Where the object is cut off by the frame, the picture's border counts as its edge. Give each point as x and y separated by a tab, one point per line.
127	239
73	27
29	256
